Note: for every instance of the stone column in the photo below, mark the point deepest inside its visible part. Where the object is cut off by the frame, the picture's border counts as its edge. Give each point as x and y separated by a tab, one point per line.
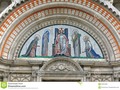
34	73
39	76
39	79
84	78
88	77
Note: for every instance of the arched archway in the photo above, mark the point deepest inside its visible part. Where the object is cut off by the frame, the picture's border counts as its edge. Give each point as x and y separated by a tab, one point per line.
61	69
33	15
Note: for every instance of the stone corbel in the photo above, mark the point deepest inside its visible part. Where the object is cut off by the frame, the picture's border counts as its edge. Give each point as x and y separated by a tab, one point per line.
34	74
5	76
88	76
115	76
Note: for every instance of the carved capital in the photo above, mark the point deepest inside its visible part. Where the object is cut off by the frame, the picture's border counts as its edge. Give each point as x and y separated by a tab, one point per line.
115	75
88	74
5	74
34	73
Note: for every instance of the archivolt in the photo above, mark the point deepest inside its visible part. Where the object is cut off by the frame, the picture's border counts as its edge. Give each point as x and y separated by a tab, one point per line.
24	17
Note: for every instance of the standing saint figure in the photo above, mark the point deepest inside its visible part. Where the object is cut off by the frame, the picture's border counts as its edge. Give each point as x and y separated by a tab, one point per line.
31	51
61	44
76	43
45	40
90	52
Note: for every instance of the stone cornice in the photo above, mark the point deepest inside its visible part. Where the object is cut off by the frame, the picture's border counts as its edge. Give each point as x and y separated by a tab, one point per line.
87	62
111	8
10	8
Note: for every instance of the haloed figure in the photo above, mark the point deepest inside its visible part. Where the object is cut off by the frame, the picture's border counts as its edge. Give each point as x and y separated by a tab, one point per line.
61	44
90	52
31	51
76	43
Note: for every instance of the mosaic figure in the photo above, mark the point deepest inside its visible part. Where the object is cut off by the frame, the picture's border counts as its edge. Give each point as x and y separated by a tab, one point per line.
31	50
90	52
61	44
76	43
45	40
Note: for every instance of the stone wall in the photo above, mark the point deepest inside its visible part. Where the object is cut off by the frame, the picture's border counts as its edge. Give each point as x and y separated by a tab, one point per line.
37	72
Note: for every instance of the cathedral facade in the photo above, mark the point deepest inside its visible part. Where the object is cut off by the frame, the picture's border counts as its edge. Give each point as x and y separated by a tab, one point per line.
60	40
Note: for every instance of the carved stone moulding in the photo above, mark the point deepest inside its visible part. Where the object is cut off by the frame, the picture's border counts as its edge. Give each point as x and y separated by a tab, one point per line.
61	67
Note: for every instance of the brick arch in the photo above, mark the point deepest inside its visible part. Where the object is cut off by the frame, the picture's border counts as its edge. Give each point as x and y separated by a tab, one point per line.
33	27
112	35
